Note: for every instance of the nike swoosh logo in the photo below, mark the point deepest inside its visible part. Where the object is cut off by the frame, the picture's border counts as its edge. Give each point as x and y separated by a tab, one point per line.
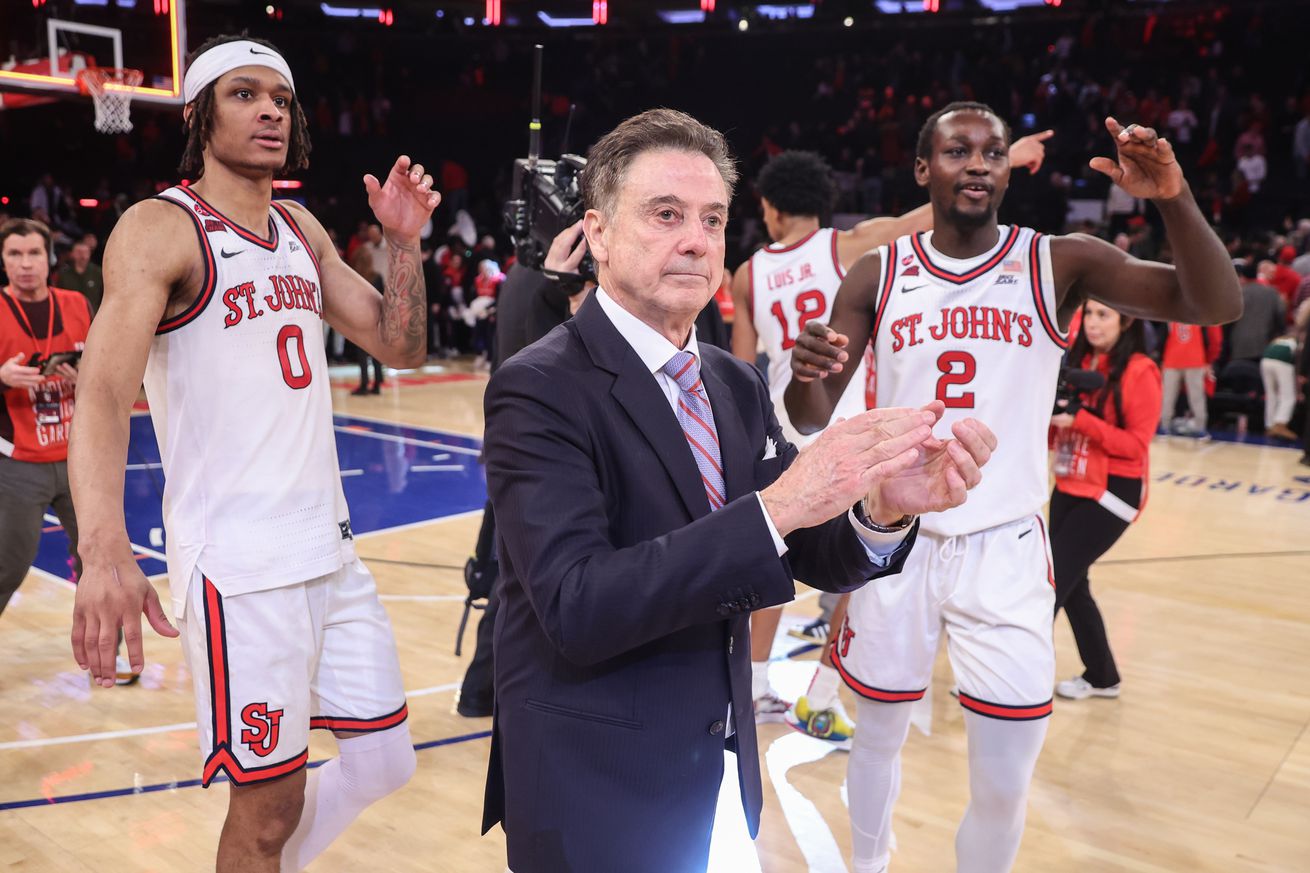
1025	533
915	288
254	52
228	254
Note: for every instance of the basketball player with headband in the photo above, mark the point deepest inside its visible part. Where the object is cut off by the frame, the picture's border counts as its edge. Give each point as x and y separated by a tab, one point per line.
215	294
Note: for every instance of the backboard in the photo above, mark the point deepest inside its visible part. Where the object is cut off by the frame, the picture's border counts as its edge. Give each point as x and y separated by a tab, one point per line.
48	42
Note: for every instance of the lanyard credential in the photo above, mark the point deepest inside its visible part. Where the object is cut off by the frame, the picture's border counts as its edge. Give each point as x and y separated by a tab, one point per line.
50	329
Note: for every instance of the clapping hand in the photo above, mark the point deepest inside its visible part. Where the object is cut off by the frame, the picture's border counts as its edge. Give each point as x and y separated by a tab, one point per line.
942	475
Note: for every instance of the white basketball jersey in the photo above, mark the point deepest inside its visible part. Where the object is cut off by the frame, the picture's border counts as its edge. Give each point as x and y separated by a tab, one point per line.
980	335
242	409
790	286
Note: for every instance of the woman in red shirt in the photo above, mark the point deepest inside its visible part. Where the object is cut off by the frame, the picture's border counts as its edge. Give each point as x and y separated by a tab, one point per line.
1102	448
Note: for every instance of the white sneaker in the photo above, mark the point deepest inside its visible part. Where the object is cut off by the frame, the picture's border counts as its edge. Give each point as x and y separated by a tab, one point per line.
769	707
123	673
1079	688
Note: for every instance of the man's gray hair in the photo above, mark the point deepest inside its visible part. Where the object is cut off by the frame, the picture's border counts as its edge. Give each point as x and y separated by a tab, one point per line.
652	130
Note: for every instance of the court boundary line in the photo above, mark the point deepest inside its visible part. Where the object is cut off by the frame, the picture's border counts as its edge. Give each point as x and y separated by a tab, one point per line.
1299	553
71	586
47	576
193	783
375	420
395	438
1274	775
45	742
410	525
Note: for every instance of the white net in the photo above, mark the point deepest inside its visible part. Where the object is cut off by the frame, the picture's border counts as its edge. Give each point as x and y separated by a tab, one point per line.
110	90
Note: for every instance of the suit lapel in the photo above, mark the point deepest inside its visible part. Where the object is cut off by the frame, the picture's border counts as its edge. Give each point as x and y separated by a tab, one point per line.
640	396
738	466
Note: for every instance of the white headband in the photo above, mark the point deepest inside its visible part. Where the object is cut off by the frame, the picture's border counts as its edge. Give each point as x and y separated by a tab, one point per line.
227	57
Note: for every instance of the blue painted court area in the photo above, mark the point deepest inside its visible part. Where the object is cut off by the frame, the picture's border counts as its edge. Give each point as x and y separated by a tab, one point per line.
393	475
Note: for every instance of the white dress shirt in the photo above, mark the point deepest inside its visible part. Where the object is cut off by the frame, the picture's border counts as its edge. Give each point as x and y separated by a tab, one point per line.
655	350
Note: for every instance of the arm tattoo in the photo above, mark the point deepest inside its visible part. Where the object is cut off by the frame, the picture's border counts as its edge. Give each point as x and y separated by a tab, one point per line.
404	302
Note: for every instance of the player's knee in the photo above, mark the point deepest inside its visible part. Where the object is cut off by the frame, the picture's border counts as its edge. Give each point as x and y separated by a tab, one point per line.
1003	790
268	814
400	767
379	763
887	726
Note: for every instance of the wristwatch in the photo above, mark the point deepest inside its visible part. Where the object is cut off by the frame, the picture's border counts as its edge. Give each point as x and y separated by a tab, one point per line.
901	524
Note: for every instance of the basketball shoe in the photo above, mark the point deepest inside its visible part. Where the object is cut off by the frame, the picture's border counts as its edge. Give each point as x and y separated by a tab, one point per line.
123	673
1079	688
770	707
832	725
815	632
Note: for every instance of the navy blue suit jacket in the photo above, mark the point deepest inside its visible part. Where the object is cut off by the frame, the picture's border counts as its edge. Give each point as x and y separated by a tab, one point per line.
623	633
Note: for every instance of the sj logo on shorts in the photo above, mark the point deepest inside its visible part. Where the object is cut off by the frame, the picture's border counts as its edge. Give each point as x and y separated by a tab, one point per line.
844	638
261	735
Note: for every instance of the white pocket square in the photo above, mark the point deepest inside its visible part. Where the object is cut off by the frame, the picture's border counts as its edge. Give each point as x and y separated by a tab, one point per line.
770	449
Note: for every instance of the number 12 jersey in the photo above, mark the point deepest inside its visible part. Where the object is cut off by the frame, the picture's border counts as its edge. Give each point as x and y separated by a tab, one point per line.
790	286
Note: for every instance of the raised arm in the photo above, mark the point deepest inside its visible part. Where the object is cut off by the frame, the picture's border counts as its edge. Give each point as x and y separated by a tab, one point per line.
745	340
873	232
1201	287
818	371
391	326
150	255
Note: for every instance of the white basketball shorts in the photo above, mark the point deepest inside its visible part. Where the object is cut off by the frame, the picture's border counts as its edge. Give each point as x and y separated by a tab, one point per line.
268	666
993	592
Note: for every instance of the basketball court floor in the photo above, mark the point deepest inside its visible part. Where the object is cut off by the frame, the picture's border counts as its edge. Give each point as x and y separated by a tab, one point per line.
1202	765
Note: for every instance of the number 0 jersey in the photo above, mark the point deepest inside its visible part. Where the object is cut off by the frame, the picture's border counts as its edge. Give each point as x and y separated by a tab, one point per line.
791	286
242	410
980	335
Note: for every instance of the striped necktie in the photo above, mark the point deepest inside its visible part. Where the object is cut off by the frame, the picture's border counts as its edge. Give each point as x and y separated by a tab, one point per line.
697	420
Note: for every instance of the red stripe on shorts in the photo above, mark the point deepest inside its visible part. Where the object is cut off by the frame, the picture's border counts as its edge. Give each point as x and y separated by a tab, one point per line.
342	723
1001	711
879	694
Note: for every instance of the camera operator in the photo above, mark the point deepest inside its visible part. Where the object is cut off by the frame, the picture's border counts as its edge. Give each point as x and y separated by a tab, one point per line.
1102	447
531	305
37	324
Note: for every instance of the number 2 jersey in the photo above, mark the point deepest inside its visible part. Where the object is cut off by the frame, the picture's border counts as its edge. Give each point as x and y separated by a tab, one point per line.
242	410
790	286
981	335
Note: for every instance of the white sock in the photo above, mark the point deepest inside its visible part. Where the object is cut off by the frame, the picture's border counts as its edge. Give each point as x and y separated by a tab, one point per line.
759	679
822	693
1002	755
873	780
370	767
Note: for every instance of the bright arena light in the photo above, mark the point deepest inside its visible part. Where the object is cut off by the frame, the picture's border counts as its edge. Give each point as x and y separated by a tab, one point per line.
743	25
848	21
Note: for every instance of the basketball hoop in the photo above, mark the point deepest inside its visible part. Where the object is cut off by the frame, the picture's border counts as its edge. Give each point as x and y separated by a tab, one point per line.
110	90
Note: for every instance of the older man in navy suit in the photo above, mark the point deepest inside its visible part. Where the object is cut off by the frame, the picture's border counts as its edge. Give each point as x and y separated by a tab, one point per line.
647	502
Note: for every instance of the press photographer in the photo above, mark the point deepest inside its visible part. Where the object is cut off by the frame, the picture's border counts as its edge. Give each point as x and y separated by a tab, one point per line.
42	330
1102	441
